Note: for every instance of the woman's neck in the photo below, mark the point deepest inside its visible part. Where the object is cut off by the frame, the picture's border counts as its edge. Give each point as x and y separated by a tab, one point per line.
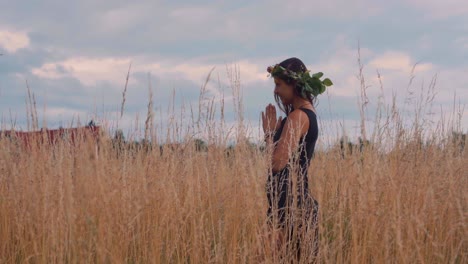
300	102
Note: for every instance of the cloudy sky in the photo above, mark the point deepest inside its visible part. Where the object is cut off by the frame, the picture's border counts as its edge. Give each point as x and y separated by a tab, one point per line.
75	56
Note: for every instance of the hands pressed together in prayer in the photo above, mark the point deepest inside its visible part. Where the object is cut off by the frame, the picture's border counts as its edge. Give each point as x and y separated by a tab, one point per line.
269	120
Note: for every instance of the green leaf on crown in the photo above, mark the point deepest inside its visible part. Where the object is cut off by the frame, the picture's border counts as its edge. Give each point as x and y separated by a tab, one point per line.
318	75
327	82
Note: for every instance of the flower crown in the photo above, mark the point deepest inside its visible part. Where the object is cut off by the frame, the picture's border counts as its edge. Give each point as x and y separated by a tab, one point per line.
307	83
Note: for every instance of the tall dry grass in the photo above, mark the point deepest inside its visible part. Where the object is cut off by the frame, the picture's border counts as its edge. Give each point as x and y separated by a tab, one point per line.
401	198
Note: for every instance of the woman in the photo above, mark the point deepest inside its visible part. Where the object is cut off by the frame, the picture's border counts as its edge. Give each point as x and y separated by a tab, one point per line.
292	211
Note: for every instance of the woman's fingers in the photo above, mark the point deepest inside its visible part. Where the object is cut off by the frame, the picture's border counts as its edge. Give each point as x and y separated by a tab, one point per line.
269	117
271	110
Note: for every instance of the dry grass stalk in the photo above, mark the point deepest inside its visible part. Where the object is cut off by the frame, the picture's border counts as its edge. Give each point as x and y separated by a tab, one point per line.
149	115
125	91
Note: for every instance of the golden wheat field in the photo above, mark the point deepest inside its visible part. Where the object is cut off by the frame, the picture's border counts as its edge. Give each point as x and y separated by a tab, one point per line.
400	197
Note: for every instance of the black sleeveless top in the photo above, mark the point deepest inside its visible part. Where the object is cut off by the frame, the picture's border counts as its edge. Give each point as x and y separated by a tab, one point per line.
278	192
307	143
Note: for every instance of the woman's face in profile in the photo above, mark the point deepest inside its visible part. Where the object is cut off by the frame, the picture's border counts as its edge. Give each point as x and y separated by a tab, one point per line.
284	91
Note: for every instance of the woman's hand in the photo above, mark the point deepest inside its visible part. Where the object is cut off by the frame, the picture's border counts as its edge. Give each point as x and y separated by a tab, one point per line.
270	123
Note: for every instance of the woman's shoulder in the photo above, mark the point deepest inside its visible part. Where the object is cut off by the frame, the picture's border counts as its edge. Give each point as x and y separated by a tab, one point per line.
298	116
310	110
301	113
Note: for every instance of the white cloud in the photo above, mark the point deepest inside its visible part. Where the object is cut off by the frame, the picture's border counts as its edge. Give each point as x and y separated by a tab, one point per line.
12	41
87	70
399	61
440	9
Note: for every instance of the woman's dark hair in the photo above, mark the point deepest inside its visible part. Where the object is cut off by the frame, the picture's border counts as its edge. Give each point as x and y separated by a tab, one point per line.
295	65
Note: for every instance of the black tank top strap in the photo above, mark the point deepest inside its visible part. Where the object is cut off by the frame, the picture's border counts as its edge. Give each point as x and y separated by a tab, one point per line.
312	119
309	112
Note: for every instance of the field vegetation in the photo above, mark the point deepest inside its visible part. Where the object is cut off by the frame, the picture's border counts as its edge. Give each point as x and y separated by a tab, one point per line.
399	195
